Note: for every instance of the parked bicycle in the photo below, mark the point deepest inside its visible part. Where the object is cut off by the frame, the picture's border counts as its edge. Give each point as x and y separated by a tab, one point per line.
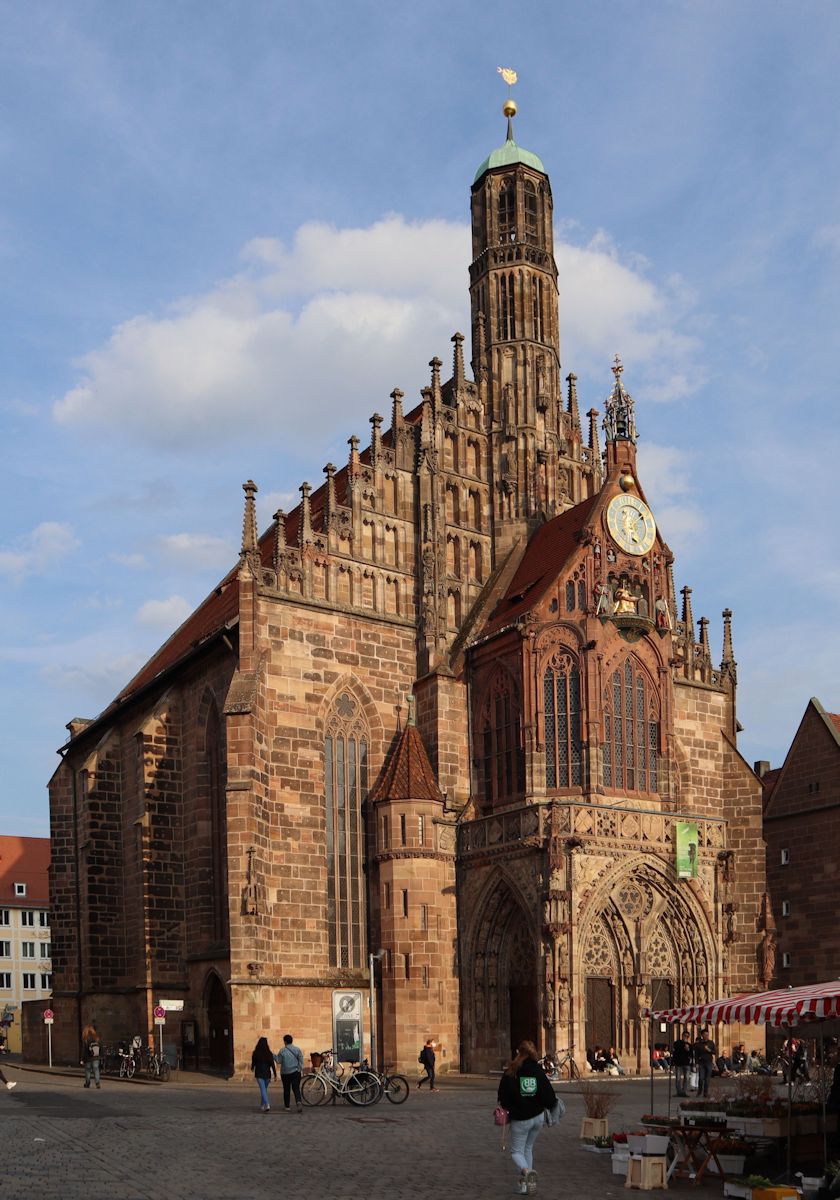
565	1065
128	1063
395	1088
157	1067
360	1088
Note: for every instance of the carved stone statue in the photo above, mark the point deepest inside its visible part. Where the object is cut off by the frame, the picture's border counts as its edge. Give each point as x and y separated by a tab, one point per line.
562	1003
768	956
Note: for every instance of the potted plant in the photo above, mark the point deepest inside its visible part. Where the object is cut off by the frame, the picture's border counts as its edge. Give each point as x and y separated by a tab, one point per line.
659	1122
597	1103
731	1154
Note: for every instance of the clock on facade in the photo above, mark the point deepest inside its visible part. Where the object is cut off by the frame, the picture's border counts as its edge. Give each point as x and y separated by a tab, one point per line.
631	524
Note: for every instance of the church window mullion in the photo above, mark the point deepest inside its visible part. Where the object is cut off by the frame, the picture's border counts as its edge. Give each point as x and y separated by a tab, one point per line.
550	730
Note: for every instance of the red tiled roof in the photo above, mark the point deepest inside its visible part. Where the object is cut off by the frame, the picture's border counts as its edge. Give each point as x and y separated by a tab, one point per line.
24	860
547	553
835	720
409	774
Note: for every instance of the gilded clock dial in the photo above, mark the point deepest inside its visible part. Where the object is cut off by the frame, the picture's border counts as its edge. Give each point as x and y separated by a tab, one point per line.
631	524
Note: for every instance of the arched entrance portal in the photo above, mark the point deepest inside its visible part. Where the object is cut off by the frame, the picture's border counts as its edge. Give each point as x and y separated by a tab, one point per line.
500	997
643	944
219	1024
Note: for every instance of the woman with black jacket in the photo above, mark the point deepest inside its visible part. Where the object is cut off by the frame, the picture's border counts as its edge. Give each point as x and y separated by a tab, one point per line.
526	1093
263	1066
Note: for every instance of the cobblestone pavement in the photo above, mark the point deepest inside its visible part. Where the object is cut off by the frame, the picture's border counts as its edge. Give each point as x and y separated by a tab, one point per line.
185	1141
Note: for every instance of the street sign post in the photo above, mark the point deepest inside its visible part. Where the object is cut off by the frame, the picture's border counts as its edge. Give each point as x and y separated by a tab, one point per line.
160	1021
49	1018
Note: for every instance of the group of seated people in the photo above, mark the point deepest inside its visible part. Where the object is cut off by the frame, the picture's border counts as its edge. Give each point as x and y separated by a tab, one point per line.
600	1059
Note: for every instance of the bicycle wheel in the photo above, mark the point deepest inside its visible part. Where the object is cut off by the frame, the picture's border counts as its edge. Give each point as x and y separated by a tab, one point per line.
397	1088
313	1090
164	1072
363	1088
123	1069
130	1068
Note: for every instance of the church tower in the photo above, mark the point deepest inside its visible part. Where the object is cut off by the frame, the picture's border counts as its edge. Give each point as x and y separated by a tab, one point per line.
538	465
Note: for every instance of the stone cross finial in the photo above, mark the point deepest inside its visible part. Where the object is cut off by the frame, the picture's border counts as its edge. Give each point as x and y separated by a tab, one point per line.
458	359
571	379
305	514
375	439
728	654
436	365
410	702
279	537
329	505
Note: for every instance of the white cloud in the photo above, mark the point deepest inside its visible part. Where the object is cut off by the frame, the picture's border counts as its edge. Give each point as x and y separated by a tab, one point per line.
827	238
38	552
164	614
307	336
197	550
268	504
134	562
100	674
665	475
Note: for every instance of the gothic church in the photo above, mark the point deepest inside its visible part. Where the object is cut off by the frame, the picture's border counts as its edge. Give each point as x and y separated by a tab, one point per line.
450	706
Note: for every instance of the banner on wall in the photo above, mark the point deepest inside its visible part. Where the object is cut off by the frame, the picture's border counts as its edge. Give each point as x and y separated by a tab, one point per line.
687	844
348	1025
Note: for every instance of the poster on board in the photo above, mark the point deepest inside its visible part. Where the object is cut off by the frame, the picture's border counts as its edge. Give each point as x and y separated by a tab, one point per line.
348	1025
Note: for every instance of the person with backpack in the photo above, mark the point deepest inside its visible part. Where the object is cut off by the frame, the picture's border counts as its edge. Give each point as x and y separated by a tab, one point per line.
290	1059
525	1093
427	1058
90	1054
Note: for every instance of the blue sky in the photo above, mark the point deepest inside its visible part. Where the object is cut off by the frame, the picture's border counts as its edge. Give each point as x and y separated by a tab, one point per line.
228	230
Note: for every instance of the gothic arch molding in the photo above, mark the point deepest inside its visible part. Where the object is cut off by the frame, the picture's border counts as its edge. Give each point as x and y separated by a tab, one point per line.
349	683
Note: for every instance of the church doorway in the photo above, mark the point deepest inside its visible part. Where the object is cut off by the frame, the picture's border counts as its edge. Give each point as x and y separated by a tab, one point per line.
522	987
600	1025
219	1025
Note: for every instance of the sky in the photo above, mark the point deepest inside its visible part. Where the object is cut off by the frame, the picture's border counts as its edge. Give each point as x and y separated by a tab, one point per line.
228	231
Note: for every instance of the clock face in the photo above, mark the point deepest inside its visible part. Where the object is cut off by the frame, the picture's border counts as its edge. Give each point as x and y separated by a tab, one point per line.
631	524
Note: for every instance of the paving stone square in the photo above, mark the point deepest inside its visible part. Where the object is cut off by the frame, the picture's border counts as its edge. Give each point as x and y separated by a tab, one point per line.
202	1139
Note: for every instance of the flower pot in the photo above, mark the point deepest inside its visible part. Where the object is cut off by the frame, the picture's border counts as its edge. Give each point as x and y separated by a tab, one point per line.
656	1143
619	1164
636	1142
592	1127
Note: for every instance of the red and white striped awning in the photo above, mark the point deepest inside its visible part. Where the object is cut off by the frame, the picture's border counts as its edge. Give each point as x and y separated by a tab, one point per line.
788	1006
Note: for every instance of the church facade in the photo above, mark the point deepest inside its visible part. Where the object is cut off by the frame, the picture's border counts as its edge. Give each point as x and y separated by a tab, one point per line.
450	707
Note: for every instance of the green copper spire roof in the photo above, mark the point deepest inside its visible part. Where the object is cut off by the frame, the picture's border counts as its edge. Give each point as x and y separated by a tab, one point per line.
507	155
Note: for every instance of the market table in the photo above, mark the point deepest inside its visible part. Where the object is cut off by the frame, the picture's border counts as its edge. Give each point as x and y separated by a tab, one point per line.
696	1147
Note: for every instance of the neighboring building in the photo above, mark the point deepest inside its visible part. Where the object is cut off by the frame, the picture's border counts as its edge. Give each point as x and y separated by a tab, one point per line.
25	951
447	707
802	831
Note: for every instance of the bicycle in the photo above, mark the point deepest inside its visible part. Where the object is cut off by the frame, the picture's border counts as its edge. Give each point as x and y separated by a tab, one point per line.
565	1066
157	1067
127	1064
360	1088
394	1088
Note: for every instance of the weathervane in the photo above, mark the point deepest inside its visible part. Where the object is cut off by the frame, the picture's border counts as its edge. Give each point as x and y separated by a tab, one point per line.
509	107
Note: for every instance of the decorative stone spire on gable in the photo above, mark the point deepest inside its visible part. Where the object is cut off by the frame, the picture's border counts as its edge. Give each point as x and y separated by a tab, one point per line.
458	376
396	409
250	545
435	364
594	444
305	534
727	663
354	463
330	506
375	440
571	379
279	537
479	360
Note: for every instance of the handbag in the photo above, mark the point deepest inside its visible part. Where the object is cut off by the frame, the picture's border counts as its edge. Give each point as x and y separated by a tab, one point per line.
552	1116
501	1116
693	1079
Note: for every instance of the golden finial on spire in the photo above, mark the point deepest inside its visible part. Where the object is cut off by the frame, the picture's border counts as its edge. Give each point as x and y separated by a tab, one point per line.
510	77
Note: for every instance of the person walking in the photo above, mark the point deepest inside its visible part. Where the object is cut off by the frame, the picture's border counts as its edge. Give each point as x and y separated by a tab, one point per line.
705	1052
262	1064
428	1058
681	1057
90	1054
526	1093
8	1084
290	1059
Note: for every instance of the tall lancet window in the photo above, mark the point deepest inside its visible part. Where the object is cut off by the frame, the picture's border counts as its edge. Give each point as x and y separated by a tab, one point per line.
507	213
531	226
499	748
631	731
345	786
561	699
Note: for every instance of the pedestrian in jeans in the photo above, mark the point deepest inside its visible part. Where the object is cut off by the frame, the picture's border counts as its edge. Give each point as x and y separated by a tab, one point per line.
262	1064
290	1059
681	1058
428	1058
526	1093
705	1052
90	1054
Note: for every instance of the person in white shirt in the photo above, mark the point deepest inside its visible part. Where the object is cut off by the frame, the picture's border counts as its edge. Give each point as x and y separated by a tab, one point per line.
290	1060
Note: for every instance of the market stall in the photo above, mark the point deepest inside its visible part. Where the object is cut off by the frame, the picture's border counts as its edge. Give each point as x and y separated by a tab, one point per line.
806	1010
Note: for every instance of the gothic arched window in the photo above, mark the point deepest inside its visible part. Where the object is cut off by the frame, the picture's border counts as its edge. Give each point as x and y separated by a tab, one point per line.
531	213
345	786
561	696
631	731
507	307
507	213
500	743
